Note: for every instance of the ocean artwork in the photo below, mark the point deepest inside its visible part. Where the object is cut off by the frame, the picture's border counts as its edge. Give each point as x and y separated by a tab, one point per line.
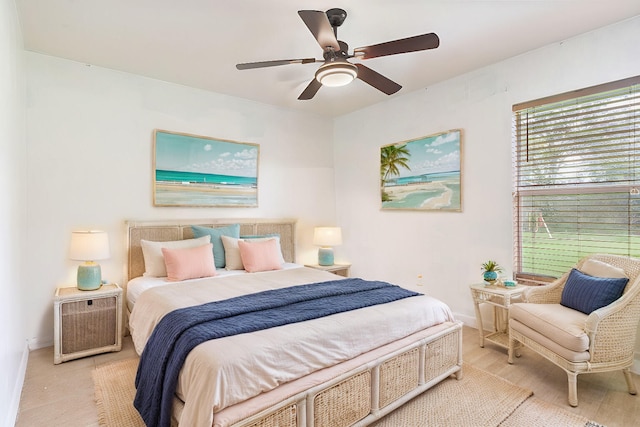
192	170
423	173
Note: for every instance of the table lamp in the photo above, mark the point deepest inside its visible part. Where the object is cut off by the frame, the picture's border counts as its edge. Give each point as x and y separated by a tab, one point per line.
326	238
89	246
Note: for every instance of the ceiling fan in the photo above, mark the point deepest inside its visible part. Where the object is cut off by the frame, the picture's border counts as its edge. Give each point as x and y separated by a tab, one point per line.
336	70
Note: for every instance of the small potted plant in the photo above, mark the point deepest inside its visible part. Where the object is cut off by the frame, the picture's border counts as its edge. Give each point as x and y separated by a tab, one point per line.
490	270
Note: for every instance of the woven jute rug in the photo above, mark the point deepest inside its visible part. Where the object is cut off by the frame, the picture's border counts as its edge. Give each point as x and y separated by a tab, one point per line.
536	412
115	390
478	399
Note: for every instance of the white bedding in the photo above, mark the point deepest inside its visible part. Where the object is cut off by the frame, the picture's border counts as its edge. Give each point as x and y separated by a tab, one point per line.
223	372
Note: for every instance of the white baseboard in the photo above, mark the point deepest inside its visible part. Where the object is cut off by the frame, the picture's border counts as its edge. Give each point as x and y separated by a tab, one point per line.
12	415
467	320
36	343
636	362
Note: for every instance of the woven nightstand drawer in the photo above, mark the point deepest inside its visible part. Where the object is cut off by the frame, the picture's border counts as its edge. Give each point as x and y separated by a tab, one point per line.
88	324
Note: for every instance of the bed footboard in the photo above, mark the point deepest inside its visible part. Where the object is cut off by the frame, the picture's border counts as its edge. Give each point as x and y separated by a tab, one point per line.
367	393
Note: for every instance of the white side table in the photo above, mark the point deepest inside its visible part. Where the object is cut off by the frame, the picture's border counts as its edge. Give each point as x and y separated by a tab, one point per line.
339	269
500	297
87	322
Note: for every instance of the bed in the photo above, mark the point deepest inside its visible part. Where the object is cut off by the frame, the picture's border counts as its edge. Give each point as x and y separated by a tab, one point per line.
346	369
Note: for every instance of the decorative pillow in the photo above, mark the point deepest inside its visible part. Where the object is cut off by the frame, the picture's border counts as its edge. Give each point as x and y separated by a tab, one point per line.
189	263
231	253
596	268
264	237
233	261
261	255
215	233
587	293
152	253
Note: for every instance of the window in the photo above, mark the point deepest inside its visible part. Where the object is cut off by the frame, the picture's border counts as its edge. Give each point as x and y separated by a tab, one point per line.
576	177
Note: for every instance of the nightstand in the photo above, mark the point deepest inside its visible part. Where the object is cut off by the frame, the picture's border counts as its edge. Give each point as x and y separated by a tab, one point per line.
339	269
500	297
86	322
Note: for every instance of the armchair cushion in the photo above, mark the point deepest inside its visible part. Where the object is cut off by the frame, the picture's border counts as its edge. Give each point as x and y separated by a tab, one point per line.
549	345
593	267
587	293
559	324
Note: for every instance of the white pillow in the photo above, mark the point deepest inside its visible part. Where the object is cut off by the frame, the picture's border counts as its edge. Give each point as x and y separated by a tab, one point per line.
152	253
596	268
233	261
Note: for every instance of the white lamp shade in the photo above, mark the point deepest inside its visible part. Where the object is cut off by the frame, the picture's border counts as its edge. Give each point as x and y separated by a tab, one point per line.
327	236
89	245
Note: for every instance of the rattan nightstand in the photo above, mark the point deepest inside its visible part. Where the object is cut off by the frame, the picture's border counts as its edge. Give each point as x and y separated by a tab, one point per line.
87	322
339	269
500	297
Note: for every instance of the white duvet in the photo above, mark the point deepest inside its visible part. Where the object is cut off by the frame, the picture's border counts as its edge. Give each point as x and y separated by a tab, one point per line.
226	371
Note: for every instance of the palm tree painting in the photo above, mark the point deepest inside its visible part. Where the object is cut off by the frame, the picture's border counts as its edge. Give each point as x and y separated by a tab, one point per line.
423	173
392	157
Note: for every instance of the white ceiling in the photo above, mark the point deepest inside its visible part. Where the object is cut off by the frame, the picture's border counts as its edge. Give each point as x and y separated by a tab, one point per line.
198	42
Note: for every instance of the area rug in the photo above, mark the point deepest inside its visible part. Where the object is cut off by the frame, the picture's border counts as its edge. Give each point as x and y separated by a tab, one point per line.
478	399
115	391
536	412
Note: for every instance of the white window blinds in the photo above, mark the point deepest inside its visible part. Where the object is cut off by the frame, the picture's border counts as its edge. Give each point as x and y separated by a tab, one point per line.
576	177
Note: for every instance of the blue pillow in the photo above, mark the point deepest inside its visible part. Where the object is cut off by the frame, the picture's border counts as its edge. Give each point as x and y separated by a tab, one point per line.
588	293
215	233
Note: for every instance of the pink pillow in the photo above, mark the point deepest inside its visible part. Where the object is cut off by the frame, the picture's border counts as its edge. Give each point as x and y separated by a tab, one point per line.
261	255
189	263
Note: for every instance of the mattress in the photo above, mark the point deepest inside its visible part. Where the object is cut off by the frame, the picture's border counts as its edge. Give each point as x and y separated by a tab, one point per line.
220	373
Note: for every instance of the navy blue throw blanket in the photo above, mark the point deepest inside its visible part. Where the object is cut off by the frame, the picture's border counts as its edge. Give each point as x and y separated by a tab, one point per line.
181	330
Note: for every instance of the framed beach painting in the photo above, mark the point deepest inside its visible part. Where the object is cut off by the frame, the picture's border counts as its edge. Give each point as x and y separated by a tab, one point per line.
191	170
423	174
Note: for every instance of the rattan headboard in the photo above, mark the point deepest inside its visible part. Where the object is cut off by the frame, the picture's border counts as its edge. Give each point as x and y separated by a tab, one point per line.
181	229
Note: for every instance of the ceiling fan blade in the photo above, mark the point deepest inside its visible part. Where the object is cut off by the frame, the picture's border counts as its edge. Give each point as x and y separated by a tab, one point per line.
263	64
377	80
319	25
410	44
310	90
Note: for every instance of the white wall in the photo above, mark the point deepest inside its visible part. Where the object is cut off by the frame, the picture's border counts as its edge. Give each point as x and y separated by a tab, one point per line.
448	248
13	287
90	165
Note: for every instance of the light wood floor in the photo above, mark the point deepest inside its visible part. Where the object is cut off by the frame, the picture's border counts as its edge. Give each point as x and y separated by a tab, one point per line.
62	395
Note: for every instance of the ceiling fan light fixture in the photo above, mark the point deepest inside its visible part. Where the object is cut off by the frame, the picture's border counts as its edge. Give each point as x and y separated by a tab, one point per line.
334	74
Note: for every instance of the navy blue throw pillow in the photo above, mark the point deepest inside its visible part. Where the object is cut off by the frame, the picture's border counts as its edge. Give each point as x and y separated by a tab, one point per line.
588	293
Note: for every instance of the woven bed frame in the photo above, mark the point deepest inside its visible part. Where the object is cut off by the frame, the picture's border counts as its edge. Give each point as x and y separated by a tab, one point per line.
357	397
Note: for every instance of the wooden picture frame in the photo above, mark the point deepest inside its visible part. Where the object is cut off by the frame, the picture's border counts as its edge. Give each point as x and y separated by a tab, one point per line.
423	174
192	170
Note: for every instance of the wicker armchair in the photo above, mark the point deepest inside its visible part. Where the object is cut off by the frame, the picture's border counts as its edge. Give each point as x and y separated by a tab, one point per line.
580	343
